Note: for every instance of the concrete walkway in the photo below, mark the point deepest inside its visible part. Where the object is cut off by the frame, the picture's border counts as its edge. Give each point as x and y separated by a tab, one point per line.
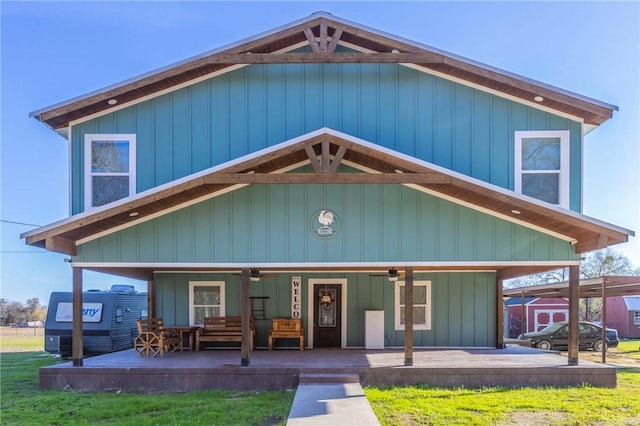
331	404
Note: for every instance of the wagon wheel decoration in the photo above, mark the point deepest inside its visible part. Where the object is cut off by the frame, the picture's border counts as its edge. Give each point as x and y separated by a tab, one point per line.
147	344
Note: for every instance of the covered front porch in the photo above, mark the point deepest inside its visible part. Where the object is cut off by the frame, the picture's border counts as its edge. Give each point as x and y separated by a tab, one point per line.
513	366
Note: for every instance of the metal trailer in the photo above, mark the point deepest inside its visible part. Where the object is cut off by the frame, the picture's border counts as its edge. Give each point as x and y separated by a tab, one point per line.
108	320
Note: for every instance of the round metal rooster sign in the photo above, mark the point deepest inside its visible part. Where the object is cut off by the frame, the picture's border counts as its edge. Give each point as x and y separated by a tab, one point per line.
325	223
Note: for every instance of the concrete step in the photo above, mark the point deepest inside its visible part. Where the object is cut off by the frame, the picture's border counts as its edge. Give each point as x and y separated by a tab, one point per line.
328	378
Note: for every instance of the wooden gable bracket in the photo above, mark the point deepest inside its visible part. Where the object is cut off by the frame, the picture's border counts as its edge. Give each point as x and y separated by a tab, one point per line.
325	164
61	245
324	46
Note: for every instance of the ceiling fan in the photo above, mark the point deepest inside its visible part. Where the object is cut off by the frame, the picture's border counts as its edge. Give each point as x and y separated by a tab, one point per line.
392	275
255	275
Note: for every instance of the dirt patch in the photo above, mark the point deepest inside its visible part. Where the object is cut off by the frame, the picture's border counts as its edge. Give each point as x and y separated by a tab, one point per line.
613	357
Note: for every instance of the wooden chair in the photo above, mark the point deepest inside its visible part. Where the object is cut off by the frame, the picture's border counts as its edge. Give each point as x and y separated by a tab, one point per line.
153	338
285	328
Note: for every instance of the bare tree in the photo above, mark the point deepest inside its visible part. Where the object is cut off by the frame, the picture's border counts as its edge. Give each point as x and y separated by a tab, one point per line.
593	265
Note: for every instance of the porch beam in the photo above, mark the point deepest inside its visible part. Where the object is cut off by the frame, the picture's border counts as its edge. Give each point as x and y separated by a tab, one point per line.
76	330
603	319
500	315
574	306
150	299
61	245
245	318
408	316
329	178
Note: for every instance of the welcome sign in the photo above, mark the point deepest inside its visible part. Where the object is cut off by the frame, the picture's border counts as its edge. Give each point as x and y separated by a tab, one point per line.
296	296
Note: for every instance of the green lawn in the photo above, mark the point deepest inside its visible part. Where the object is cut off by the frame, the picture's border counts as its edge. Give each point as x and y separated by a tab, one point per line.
584	405
24	404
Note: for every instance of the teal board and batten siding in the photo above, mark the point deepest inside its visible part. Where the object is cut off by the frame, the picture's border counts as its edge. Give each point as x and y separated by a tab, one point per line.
262	224
463	309
242	111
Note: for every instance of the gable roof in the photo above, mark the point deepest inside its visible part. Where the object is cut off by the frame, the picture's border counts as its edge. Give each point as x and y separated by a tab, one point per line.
323	31
325	149
632	302
517	301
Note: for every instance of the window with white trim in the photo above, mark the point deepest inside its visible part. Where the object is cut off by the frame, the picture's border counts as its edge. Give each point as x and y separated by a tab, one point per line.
206	299
421	305
636	317
110	168
542	165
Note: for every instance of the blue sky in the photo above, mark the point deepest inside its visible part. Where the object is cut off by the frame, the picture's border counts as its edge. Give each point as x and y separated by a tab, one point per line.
54	51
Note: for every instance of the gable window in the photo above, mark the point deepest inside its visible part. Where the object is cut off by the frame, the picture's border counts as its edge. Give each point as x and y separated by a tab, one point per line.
206	299
542	165
110	173
421	305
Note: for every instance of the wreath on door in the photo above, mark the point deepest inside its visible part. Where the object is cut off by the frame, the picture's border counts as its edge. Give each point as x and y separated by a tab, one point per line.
326	299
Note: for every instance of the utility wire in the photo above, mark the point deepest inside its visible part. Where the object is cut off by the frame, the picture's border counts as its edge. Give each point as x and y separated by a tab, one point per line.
18	223
25	251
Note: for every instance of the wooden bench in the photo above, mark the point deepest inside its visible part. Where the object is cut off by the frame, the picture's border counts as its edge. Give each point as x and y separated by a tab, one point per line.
285	328
153	338
223	329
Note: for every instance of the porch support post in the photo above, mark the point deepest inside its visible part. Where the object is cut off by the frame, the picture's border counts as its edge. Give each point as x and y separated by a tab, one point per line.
245	315
523	324
574	306
499	315
603	320
151	299
76	331
408	316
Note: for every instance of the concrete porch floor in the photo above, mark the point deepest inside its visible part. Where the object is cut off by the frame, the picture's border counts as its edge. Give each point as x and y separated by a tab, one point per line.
514	366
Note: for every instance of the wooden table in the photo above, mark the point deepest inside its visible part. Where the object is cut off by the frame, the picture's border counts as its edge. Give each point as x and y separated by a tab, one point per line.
190	330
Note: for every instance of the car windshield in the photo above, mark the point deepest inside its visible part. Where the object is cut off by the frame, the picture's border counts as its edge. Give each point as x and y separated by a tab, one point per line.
551	328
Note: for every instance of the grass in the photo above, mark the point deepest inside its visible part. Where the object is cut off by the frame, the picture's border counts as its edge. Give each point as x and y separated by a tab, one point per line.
583	405
23	403
628	348
21	339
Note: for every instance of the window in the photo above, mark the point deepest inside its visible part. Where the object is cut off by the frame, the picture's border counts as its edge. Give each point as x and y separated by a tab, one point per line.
542	165
110	168
636	317
421	305
206	299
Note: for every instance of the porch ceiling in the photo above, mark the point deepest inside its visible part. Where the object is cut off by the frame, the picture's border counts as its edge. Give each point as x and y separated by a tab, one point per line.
326	150
323	32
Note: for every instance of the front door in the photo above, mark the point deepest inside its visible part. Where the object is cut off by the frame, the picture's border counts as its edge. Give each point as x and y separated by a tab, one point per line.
327	321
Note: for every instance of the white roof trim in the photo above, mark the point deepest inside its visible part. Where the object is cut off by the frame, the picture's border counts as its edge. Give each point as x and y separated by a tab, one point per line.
306	19
287	266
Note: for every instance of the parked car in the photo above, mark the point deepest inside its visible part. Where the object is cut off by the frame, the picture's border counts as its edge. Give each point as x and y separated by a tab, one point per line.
556	336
